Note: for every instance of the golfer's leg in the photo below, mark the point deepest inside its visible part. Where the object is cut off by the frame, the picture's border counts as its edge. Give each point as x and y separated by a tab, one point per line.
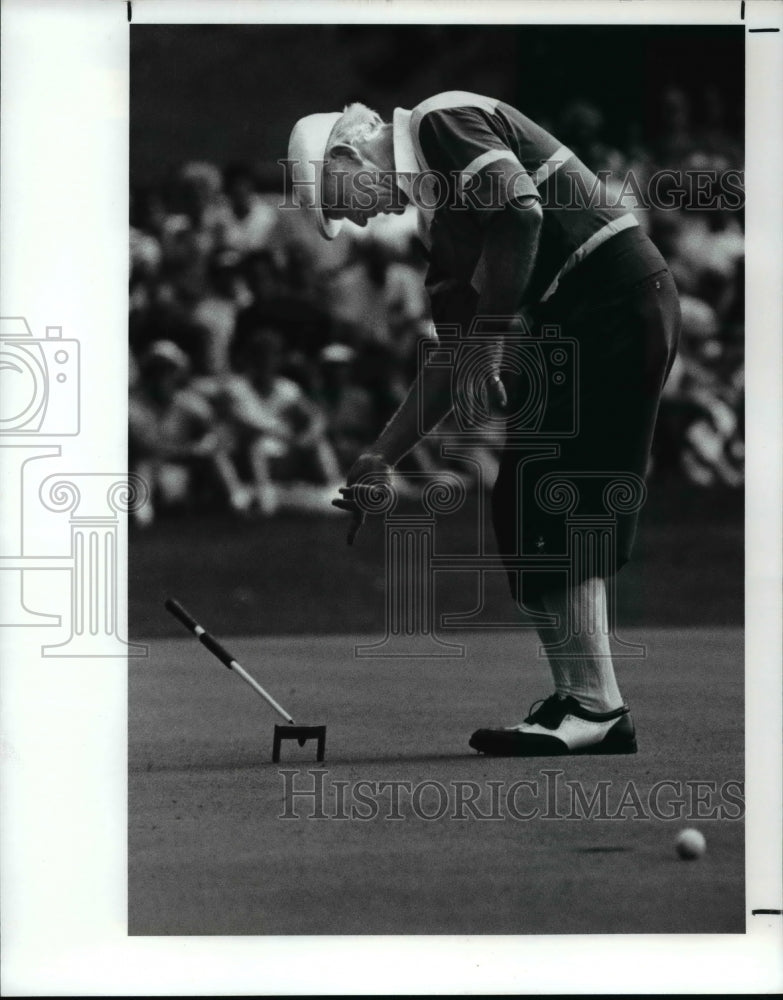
578	646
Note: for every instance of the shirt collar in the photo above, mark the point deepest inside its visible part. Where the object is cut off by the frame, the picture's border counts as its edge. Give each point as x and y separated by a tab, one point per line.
407	166
405	163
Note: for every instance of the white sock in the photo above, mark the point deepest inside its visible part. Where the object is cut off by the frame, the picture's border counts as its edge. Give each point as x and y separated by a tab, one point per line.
581	663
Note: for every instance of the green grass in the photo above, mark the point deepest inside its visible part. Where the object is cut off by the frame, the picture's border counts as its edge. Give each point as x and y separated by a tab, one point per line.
294	574
209	853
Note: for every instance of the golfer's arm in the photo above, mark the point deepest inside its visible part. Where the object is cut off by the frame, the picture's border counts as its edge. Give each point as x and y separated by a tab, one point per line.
418	413
510	247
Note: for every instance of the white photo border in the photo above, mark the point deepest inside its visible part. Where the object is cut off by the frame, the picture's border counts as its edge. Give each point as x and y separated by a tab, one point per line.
63	838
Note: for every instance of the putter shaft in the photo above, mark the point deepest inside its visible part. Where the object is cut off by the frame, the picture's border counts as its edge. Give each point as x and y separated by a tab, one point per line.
219	651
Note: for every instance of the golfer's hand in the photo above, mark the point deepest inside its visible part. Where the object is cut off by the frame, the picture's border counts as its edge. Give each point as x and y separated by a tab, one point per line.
494	392
364	465
495	398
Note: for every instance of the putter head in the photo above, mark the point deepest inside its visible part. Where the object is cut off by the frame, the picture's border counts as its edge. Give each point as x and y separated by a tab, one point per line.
301	734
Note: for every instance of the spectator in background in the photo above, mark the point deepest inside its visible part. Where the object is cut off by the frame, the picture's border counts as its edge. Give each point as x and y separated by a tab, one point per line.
251	220
714	136
277	433
581	129
216	313
666	231
357	300
146	252
148	210
379	299
171	313
699	428
196	230
713	243
732	319
296	313
705	252
148	214
172	433
673	136
147	217
347	407
406	304
301	277
264	286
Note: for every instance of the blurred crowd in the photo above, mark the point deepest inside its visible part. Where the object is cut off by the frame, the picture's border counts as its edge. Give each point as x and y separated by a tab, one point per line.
263	359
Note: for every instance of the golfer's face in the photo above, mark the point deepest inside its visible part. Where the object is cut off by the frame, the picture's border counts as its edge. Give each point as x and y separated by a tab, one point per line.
358	192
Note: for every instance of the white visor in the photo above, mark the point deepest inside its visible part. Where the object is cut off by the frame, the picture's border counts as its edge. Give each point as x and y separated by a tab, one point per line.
306	154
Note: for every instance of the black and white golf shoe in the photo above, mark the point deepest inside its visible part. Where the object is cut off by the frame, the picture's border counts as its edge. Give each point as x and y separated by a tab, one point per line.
560	726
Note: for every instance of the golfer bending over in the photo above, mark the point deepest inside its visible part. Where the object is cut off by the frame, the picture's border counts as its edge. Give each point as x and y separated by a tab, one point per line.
514	221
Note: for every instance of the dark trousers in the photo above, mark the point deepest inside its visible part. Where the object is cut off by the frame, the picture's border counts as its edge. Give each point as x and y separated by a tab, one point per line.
623	336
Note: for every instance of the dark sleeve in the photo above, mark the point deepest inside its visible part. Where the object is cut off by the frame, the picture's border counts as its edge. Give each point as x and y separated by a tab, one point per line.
452	299
469	147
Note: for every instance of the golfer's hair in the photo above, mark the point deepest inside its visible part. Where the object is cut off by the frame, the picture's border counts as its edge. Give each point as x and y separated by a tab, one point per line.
356	123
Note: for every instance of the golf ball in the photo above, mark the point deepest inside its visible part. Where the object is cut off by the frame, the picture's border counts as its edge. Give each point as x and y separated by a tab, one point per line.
690	844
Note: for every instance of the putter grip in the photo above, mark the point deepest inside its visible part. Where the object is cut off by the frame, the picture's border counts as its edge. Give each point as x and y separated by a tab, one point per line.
176	609
215	647
193	626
